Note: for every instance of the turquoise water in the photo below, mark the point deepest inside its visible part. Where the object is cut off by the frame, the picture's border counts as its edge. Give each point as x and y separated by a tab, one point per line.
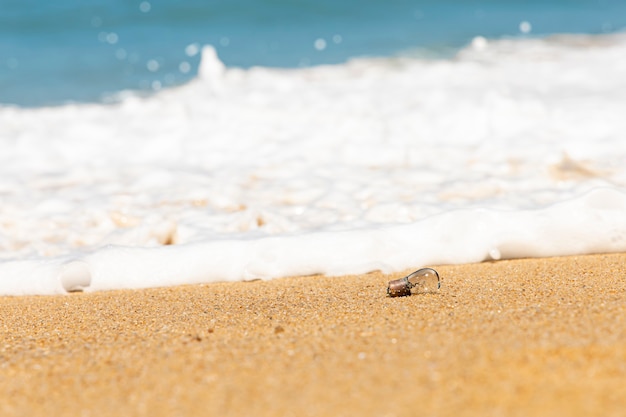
54	52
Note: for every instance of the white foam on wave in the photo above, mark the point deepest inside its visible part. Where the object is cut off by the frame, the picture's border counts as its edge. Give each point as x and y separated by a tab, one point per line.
514	148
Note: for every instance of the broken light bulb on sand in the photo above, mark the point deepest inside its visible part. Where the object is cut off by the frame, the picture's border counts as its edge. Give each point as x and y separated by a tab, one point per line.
423	280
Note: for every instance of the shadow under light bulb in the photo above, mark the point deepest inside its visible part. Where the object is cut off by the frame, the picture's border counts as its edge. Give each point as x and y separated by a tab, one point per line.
425	280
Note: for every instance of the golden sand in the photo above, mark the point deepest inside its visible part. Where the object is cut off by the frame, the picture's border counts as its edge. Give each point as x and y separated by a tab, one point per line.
533	337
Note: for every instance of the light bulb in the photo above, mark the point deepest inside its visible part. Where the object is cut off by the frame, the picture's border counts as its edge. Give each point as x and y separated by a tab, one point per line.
425	280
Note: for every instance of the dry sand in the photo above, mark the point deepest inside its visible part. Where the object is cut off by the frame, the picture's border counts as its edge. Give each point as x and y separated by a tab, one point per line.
532	337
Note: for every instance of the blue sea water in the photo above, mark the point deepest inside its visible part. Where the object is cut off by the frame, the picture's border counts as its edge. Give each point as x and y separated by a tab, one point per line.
53	52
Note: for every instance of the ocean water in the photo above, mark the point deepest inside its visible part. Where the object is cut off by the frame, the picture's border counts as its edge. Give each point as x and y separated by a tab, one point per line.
152	143
66	50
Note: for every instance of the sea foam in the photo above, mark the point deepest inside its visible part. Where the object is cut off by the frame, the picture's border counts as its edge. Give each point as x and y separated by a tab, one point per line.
514	148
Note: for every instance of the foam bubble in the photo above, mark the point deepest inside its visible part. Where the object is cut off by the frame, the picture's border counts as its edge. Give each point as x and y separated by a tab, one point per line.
479	43
192	49
75	276
184	67
319	44
112	38
525	27
153	65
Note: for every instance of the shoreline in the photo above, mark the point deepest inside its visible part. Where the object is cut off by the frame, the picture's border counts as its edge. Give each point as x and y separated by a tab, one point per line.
540	336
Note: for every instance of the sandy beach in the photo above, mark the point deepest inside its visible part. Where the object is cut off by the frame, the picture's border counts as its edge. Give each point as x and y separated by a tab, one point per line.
523	337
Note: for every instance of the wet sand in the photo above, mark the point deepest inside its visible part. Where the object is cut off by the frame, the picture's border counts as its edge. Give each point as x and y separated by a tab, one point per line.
536	337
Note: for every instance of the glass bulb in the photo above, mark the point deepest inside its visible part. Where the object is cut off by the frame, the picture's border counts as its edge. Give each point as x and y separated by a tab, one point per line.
425	280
